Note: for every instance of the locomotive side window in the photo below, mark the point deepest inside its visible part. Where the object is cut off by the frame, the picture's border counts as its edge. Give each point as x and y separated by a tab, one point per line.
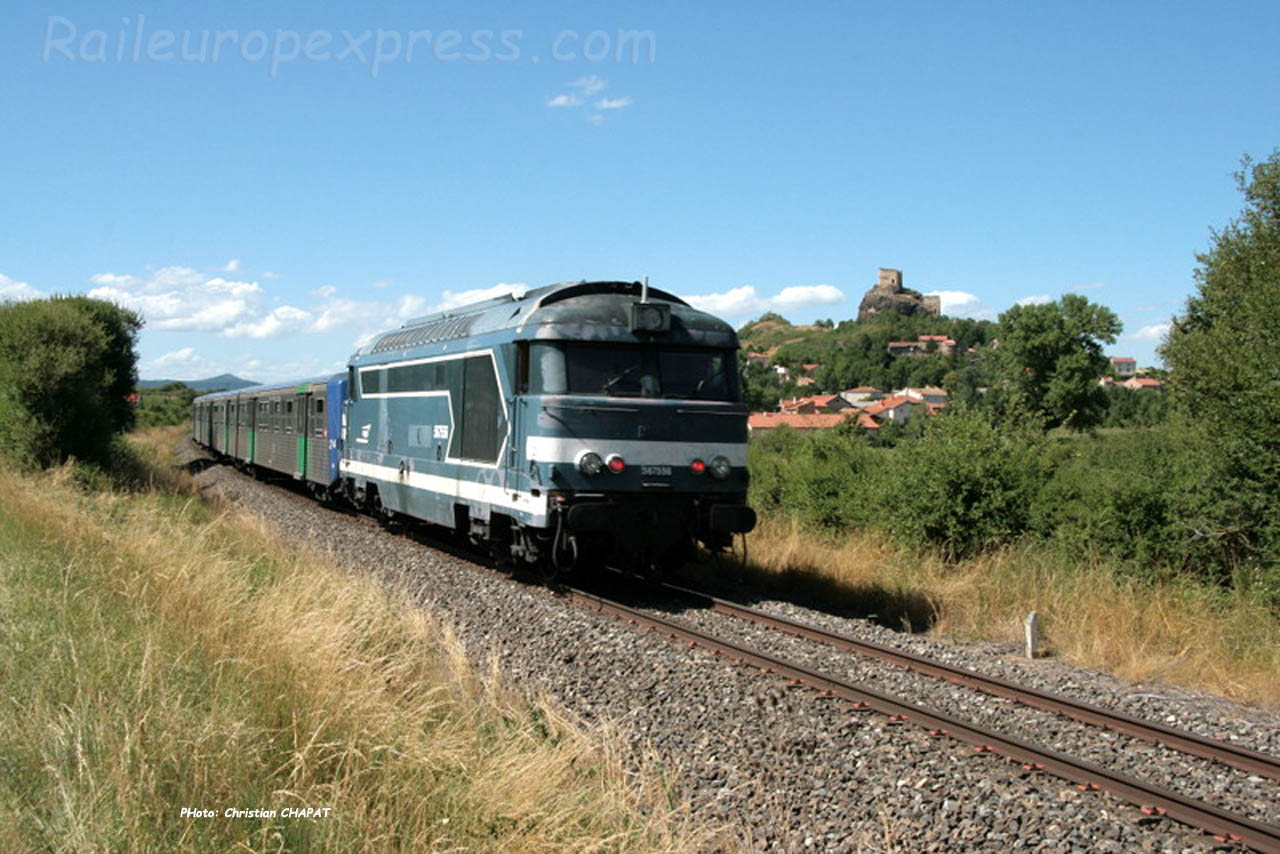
484	423
372	381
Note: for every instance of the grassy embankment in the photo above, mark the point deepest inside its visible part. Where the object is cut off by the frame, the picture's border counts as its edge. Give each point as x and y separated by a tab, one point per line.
1181	633
157	653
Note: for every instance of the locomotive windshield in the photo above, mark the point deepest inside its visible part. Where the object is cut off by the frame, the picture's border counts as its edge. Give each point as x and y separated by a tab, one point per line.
632	371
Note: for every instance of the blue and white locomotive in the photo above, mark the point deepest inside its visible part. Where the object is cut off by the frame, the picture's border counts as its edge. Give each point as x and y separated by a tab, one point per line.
575	425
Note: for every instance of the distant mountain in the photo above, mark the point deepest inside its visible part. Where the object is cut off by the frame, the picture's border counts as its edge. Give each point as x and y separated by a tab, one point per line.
229	382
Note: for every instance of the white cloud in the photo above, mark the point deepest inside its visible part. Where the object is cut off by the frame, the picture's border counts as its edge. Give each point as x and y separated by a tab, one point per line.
453	300
381	283
1037	299
1155	332
182	364
745	300
11	289
177	357
180	298
585	87
282	320
232	266
267	274
325	291
588	85
963	304
798	296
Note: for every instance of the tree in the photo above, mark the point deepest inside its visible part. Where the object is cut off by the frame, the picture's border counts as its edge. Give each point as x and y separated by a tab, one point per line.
1050	358
1224	354
67	365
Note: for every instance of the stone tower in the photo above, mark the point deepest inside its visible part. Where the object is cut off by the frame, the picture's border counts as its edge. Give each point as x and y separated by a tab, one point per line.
888	294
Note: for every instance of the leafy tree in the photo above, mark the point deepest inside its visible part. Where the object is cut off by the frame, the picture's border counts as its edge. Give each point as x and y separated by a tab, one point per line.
67	365
1224	354
1050	358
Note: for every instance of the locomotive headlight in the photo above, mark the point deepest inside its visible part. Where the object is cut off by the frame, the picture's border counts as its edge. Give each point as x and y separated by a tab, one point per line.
589	463
616	464
720	467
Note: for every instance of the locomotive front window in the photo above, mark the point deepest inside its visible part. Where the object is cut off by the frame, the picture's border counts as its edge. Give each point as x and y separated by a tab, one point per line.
631	371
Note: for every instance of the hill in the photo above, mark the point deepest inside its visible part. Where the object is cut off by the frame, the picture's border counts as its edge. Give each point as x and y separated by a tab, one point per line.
222	382
857	352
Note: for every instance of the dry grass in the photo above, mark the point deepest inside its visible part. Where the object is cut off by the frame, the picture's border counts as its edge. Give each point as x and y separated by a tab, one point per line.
1187	635
157	653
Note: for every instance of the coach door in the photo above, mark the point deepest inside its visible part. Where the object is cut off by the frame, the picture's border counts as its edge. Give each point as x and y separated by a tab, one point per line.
298	426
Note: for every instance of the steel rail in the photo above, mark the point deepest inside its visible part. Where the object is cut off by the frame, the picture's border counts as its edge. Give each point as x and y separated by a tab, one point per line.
1228	826
1242	758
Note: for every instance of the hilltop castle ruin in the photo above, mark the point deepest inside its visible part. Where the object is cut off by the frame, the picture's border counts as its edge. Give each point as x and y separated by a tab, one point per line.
888	294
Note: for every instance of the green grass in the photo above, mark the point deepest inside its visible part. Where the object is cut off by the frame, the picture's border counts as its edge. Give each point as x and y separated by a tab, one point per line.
157	653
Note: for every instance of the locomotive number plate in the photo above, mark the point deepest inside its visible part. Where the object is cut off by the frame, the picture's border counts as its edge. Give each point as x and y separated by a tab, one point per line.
655	471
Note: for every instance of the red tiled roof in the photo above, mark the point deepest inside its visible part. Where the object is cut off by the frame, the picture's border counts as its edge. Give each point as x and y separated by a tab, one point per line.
864	389
889	403
769	420
867	422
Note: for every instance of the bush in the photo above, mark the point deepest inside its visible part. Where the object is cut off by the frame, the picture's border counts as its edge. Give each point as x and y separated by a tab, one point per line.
67	367
826	478
1114	495
966	486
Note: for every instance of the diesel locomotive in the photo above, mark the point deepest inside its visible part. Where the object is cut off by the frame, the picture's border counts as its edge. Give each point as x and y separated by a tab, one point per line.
578	424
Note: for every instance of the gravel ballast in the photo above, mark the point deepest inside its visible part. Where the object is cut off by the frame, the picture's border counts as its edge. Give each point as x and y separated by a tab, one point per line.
785	769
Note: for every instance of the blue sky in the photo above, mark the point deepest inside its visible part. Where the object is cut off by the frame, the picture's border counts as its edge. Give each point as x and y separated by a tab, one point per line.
269	206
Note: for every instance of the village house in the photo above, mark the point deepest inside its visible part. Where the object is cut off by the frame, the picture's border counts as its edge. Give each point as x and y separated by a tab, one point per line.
898	409
861	396
1143	384
946	346
931	395
815	403
1124	366
905	348
921	346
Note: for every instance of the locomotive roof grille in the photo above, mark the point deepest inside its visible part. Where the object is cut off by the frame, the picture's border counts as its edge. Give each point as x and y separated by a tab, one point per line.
514	312
425	333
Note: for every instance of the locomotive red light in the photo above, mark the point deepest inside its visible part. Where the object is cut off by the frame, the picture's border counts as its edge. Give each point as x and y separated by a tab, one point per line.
616	464
697	467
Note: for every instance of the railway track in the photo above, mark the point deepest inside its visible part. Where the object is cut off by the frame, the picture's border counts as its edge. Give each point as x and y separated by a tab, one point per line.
1153	799
1241	758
